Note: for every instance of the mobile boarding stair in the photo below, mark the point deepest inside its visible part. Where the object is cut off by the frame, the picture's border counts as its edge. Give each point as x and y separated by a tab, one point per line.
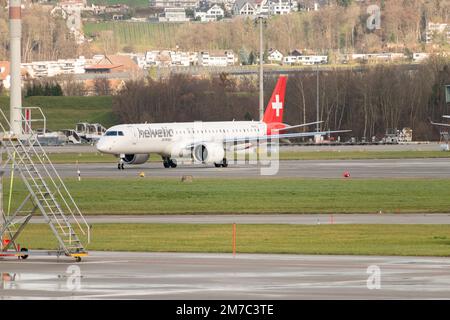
46	195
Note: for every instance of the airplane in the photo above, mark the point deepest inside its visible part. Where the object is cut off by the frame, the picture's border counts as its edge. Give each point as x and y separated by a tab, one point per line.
204	142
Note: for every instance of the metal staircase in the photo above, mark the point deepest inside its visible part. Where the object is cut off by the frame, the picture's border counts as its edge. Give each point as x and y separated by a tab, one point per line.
47	194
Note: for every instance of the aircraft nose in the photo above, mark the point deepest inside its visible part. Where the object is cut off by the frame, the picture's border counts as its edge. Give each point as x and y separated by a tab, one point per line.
102	145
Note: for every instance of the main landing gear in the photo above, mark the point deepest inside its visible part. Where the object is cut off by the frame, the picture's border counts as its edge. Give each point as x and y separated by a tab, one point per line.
169	163
224	164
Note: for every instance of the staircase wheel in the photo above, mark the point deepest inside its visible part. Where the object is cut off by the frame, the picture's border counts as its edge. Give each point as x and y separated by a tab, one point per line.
78	259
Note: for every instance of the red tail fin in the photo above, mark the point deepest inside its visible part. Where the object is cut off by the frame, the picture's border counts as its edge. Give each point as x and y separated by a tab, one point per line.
275	107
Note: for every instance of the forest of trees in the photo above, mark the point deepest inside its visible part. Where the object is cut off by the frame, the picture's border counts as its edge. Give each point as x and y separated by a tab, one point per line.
368	102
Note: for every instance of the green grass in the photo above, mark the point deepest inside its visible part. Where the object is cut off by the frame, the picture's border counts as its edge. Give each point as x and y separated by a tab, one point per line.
406	240
97	157
349	155
264	195
65	112
353	155
140	35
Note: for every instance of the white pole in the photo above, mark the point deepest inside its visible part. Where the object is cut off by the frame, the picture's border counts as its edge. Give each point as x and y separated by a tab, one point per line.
15	29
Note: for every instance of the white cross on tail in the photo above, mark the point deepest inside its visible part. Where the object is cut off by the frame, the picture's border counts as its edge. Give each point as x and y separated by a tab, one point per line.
277	105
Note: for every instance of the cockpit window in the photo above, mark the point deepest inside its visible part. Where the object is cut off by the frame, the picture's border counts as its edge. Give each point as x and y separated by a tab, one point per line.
114	133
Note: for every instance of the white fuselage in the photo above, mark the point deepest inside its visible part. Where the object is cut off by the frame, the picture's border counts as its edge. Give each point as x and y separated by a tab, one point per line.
163	138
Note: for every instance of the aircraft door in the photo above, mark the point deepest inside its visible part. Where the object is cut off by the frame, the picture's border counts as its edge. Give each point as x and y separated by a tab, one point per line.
133	135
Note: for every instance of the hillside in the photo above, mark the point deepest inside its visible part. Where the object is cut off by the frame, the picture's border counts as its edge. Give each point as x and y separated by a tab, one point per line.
332	28
140	36
65	112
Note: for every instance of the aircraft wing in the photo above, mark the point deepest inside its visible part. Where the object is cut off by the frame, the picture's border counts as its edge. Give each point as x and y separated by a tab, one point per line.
440	124
299	125
267	138
284	135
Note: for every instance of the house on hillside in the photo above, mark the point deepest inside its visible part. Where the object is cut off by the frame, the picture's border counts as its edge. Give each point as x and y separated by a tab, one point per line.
113	64
173	15
211	13
227	4
280	7
310	5
274	56
244	8
304	59
185	4
263	7
216	58
42	69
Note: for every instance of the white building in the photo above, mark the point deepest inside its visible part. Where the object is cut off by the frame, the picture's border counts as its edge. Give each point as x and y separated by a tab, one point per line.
167	58
308	5
263	7
216	58
39	69
275	56
377	57
280	7
244	8
213	13
305	60
179	58
151	58
174	15
228	4
174	3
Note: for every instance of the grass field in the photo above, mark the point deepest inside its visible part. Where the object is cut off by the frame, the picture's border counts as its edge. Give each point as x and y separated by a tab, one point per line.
97	157
411	240
65	112
170	196
349	155
141	35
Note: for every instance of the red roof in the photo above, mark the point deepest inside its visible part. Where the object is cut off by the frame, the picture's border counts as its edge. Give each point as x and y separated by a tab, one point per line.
101	66
115	63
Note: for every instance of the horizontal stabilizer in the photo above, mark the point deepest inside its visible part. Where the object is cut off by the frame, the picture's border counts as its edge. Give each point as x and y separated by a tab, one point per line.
298	126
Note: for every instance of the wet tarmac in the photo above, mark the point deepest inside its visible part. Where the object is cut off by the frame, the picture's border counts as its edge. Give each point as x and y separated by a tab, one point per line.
114	275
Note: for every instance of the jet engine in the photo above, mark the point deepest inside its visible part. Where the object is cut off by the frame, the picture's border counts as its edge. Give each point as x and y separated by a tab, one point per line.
208	153
135	158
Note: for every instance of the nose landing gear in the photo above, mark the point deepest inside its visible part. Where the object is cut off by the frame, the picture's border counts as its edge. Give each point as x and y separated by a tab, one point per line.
120	164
